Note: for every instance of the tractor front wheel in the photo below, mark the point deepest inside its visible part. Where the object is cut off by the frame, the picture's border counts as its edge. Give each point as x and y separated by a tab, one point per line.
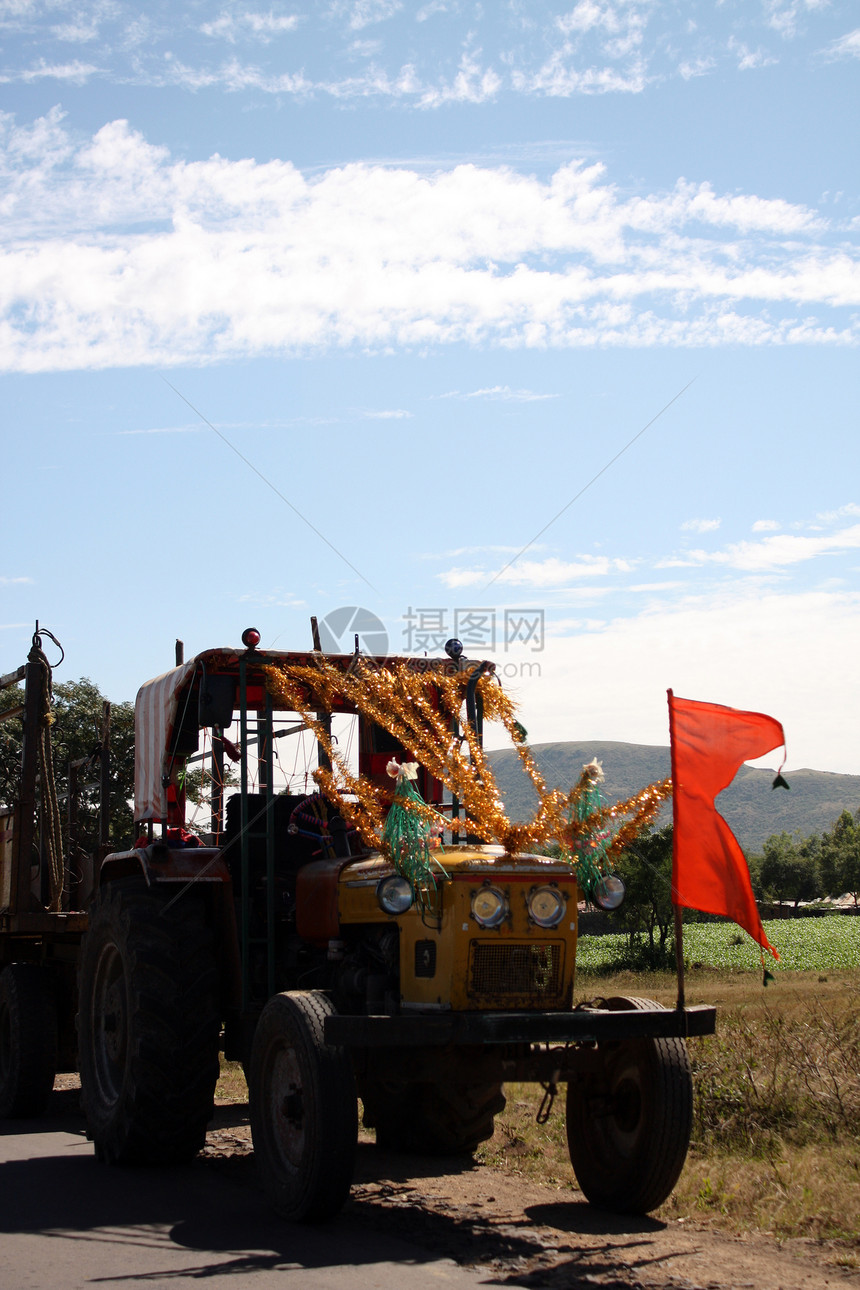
629	1118
303	1106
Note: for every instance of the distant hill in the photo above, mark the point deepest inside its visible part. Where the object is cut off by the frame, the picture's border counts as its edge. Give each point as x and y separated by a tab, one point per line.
753	809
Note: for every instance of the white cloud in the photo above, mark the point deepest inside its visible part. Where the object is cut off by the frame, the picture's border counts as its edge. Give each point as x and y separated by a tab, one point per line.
262	26
430	10
193	429
772	553
115	253
500	393
551	572
472	84
847	46
391	414
76	72
557	78
792	656
766	526
361	13
749	59
700	526
13	582
696	67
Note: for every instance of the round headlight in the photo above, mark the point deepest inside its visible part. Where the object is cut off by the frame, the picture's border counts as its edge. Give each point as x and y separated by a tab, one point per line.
546	906
609	892
489	906
394	894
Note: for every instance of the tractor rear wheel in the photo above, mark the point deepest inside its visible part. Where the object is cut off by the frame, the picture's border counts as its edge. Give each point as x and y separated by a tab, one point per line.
629	1118
28	1040
439	1119
148	1025
304	1111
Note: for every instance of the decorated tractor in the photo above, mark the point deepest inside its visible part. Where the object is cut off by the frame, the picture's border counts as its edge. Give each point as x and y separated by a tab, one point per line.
356	918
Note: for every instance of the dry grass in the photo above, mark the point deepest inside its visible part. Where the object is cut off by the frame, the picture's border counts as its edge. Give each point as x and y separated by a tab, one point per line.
231	1086
776	1137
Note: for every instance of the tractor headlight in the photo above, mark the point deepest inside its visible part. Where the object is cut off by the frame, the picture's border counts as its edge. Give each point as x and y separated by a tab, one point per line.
489	906
545	906
609	892
394	894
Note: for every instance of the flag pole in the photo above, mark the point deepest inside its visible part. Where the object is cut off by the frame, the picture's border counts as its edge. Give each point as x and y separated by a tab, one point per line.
679	922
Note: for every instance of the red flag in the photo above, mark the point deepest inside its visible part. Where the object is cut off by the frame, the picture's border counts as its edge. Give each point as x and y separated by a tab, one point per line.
709	745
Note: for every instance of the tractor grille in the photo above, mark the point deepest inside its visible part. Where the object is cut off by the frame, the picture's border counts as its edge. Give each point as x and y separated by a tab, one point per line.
532	972
425	958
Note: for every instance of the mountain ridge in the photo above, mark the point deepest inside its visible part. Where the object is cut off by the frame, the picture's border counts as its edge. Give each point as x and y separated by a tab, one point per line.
752	808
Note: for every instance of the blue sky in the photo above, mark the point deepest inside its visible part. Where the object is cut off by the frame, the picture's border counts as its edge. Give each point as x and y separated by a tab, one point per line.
539	320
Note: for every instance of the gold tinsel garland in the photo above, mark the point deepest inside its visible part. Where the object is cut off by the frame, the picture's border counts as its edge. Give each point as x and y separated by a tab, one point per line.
420	710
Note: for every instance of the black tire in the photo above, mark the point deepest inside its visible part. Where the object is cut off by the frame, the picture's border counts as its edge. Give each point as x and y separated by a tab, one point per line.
303	1108
28	1040
433	1119
629	1118
148	1025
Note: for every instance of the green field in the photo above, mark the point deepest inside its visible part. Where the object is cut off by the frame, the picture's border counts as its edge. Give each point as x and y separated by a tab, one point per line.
804	945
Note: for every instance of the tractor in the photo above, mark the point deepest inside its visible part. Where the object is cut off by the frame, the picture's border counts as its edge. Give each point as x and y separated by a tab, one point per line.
414	969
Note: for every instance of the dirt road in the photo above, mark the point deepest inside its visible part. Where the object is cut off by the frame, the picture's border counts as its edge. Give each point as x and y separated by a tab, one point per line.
410	1222
517	1234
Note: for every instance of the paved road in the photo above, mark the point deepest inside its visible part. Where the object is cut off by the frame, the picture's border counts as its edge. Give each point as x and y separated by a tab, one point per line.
67	1222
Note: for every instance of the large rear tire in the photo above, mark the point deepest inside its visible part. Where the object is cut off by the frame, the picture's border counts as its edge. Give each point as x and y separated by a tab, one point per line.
629	1118
303	1106
28	1040
440	1119
148	1025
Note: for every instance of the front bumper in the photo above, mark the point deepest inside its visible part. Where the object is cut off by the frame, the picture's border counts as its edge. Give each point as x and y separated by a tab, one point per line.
582	1026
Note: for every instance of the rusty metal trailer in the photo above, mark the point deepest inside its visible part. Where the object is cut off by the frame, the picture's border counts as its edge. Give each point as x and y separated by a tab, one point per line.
42	913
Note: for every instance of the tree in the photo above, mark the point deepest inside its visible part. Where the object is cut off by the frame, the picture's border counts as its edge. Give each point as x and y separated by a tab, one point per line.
839	860
75	734
648	912
787	870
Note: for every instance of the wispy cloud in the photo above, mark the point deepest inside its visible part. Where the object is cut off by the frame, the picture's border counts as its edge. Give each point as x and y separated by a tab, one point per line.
499	393
700	526
13	582
591	47
847	46
76	72
766	526
115	253
238	24
540	573
388	414
772	553
163	430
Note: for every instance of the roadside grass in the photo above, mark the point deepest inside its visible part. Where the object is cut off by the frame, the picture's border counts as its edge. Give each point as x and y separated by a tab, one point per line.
776	1129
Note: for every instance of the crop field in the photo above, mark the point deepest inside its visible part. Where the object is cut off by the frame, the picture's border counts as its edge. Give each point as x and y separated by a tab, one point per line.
829	944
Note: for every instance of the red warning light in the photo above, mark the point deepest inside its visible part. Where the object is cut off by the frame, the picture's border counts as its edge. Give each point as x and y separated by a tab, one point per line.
250	638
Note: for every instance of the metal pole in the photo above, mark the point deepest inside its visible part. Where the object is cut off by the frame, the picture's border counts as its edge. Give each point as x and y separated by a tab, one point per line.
217	799
679	925
244	843
104	779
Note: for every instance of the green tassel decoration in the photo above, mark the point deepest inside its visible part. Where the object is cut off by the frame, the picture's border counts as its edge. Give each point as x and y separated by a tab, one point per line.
406	836
589	851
